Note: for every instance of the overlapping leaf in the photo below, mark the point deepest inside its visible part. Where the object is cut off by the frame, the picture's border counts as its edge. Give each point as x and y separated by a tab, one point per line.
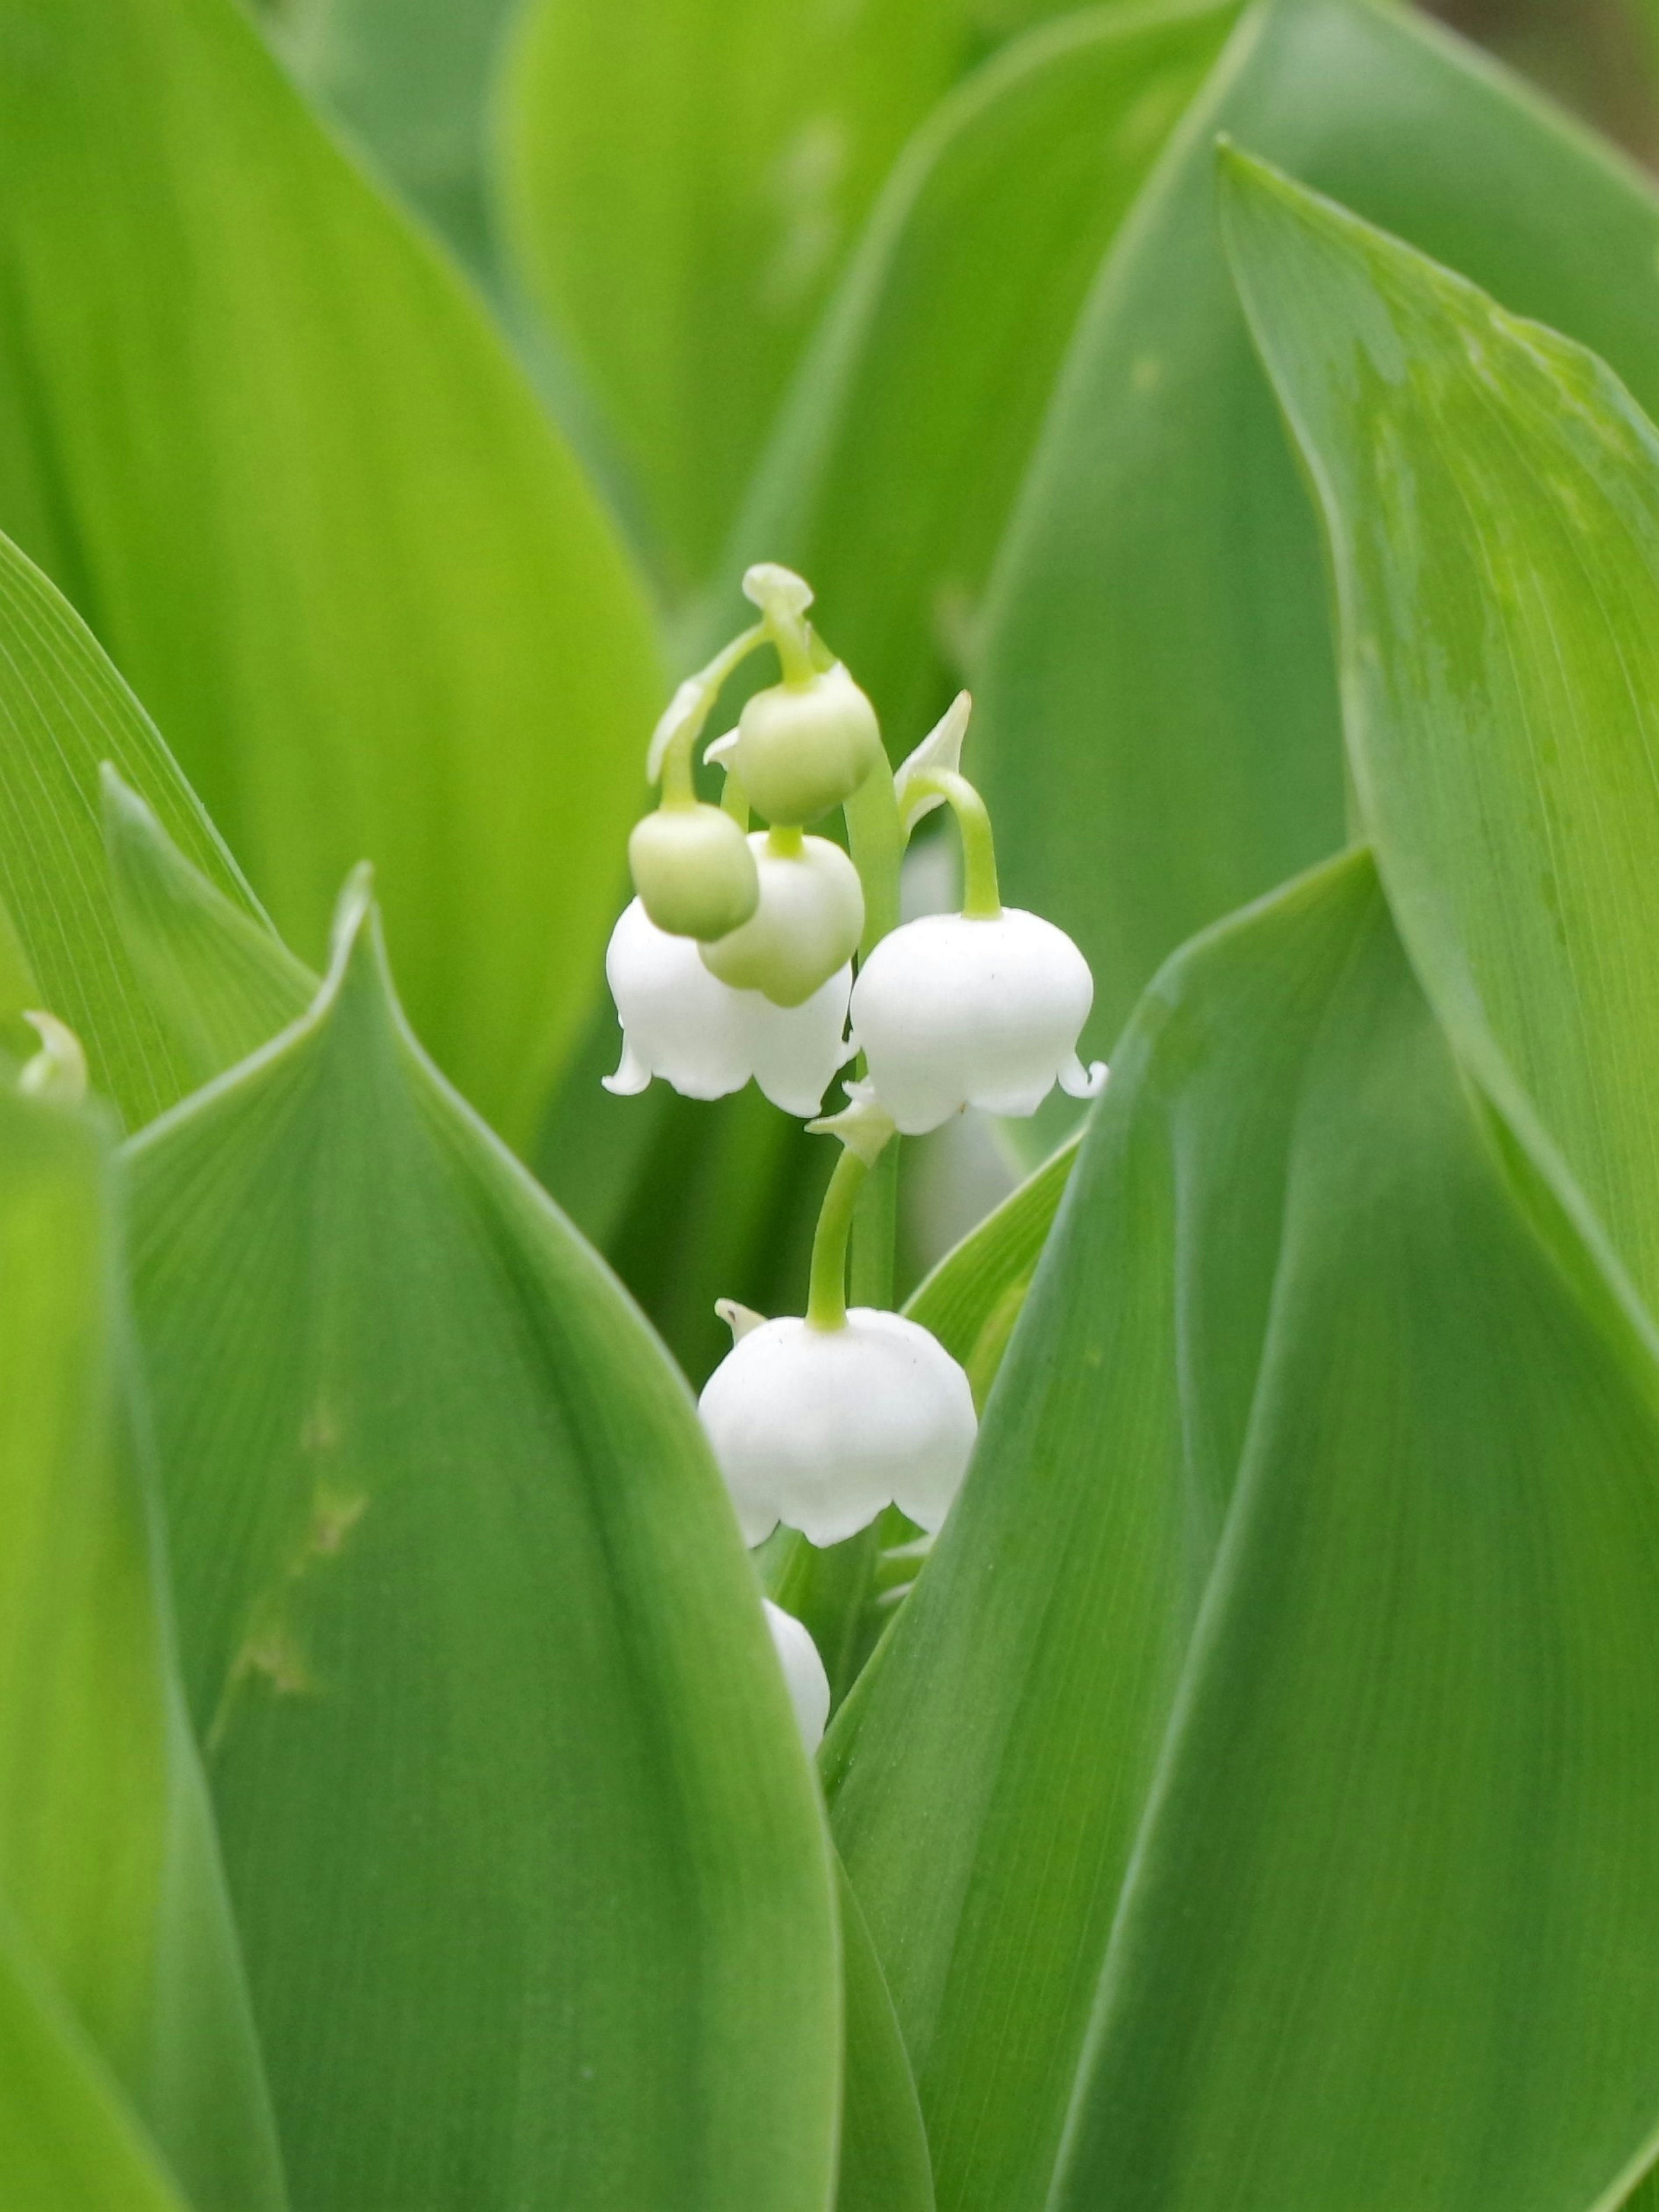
889	475
268	444
1254	1803
1157	713
683	179
532	1887
1492	497
64	710
128	2047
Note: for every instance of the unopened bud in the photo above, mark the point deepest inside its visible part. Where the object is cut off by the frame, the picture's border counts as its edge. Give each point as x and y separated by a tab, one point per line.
805	747
806	928
694	871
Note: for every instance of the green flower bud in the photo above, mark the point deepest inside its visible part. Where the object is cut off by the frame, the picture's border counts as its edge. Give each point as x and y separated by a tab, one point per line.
694	871
805	747
807	925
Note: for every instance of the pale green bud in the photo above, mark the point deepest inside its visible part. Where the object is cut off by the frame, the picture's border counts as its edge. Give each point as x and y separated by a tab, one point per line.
694	871
805	747
807	925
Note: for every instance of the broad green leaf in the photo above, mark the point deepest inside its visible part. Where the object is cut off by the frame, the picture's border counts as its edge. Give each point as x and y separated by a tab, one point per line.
682	179
1492	496
531	1881
1286	1657
410	79
64	710
65	2137
889	478
974	1297
883	2147
218	982
314	514
1157	723
118	1962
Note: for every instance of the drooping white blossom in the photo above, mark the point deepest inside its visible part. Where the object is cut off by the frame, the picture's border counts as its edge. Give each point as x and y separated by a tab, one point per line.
803	1673
683	1024
955	1011
821	1428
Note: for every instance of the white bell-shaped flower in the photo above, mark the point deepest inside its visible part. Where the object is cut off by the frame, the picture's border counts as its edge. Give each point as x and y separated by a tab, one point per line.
956	1009
685	1024
821	1428
802	1674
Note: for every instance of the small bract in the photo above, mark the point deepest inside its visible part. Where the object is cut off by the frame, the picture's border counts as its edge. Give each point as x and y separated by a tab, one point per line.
821	1428
955	1011
694	871
685	1024
803	1672
807	927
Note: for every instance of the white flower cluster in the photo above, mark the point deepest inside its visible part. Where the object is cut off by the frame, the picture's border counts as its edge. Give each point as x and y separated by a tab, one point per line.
735	962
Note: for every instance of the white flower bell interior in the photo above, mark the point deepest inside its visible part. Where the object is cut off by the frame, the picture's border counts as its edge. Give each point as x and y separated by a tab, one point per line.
821	1428
683	1024
802	1674
961	1010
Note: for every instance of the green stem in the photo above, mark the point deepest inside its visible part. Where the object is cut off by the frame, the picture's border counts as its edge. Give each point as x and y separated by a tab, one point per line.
875	837
981	900
678	776
826	1297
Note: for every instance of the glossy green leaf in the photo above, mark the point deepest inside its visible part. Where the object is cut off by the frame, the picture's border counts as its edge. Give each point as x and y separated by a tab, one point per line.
533	1885
314	514
1255	1801
974	1297
1492	496
883	2146
1157	724
121	1992
889	478
681	180
64	710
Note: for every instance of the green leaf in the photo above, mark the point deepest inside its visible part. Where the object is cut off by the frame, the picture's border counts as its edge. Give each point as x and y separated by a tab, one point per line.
1158	727
976	1294
219	982
531	1881
313	513
62	711
120	1988
889	478
883	2147
1492	497
411	80
1284	1659
682	179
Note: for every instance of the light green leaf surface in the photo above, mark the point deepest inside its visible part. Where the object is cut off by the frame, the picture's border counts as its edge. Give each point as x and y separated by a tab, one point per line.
681	180
1157	723
312	509
1492	497
883	2146
64	710
410	79
220	983
121	1994
889	478
66	2138
1287	1659
532	1885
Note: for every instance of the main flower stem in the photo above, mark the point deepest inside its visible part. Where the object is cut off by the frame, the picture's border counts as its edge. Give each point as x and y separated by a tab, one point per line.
875	837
